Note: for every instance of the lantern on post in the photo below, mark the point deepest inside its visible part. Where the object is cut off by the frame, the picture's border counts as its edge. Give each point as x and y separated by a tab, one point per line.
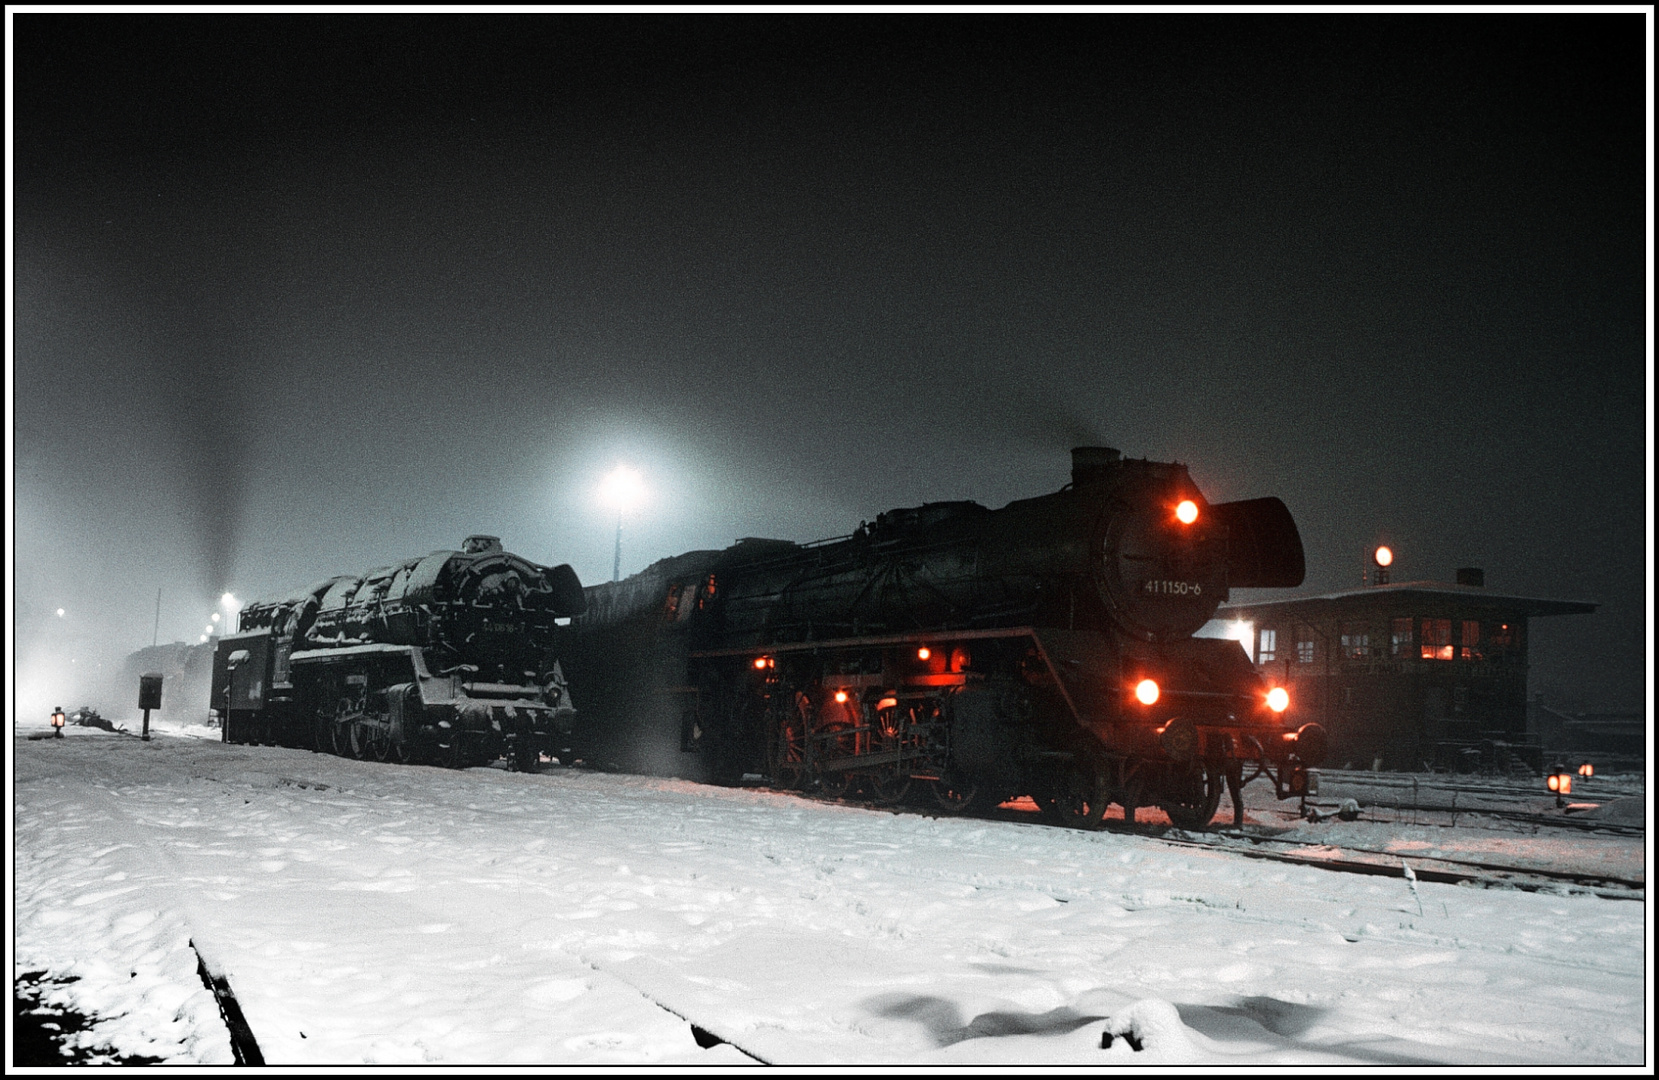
1586	770
57	722
1559	780
1383	558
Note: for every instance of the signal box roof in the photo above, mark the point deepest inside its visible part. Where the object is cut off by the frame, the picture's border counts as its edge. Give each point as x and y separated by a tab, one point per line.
1422	593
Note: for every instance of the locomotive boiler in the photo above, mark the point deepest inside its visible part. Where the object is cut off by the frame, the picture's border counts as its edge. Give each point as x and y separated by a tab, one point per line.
1044	649
445	659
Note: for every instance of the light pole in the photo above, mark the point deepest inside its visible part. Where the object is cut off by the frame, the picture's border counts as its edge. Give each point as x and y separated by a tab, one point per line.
1384	558
624	489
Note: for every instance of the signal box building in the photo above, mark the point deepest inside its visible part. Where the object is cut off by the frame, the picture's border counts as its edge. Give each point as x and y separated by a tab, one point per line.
1404	674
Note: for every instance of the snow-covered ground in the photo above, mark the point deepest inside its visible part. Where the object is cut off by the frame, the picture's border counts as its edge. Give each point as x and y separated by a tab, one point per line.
368	913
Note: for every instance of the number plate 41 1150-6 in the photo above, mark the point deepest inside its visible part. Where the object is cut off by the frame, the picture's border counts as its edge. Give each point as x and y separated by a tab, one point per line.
1172	588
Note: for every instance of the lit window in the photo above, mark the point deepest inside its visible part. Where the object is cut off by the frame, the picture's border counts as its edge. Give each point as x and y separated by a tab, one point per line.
1269	646
1502	636
1356	641
1304	652
1437	639
1399	637
1471	639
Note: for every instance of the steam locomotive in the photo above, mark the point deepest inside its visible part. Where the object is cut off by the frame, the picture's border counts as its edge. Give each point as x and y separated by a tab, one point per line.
1045	649
445	659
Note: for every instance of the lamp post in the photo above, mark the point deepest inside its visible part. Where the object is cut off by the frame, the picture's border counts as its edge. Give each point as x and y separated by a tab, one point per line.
57	722
1384	558
624	489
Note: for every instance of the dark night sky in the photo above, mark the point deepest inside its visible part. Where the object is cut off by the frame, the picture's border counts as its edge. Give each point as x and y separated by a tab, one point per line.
297	296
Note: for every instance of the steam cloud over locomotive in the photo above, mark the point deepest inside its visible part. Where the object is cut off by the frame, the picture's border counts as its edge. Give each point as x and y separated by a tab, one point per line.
446	658
1044	649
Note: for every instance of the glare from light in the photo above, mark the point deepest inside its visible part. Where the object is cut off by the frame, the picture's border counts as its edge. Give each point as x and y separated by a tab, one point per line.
840	696
1187	512
923	653
209	628
1278	699
60	613
214	616
1146	691
230	603
1244	633
623	488
1384	556
204	637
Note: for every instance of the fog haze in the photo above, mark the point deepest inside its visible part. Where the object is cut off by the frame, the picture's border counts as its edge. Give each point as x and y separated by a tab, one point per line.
297	296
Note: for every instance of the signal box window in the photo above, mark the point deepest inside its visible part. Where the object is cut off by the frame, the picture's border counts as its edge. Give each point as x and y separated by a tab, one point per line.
1471	640
1399	637
1437	639
1269	647
1304	647
1356	642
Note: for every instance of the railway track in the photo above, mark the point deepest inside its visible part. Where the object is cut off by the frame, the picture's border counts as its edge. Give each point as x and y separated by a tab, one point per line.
1372	862
1254	842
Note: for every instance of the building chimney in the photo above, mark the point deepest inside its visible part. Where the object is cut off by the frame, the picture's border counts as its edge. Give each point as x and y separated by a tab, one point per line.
1472	576
1092	464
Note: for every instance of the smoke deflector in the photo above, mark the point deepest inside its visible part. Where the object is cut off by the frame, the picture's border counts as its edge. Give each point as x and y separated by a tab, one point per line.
1264	549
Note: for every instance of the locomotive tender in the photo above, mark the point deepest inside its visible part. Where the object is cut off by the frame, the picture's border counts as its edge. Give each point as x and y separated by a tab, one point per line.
1044	649
444	658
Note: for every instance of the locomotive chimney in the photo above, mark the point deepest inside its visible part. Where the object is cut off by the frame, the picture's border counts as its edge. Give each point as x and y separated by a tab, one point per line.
1091	464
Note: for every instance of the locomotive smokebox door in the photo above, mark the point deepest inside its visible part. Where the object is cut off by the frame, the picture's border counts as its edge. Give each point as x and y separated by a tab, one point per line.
149	691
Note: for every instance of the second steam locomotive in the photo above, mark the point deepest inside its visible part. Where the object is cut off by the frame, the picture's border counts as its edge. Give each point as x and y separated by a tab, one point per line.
445	658
1045	649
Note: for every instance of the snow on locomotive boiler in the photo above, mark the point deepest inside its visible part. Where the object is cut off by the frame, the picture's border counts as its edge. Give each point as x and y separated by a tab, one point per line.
445	658
1044	649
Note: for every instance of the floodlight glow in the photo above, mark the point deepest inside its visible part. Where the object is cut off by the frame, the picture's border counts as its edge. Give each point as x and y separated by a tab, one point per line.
230	603
60	613
623	488
1278	699
1384	556
1187	512
214	616
1146	691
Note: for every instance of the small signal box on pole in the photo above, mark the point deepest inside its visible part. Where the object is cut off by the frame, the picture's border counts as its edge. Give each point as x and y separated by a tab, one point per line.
149	697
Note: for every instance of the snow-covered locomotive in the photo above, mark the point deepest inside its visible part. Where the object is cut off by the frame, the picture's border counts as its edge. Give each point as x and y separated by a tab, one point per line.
445	658
1044	649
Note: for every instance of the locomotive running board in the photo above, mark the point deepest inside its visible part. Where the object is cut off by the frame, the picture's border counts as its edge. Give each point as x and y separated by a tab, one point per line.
919	637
